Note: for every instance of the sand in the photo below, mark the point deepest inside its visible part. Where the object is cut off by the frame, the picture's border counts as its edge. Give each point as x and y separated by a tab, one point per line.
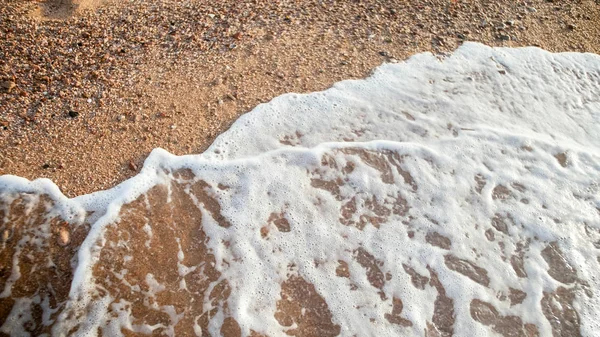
89	88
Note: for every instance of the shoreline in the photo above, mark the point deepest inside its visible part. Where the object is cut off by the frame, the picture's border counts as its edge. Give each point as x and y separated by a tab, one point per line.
83	104
367	210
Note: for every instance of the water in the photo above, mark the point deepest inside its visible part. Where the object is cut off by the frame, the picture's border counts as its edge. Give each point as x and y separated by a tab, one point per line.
438	197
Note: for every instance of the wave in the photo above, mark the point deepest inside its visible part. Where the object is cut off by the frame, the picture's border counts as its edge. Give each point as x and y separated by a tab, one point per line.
438	197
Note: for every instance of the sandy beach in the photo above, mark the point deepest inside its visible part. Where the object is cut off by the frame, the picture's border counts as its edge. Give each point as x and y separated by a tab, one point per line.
89	88
450	189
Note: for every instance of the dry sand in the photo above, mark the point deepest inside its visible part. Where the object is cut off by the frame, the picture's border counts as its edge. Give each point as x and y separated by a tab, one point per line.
89	88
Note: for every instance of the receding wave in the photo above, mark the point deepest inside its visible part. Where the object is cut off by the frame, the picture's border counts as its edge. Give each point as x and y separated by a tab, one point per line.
439	197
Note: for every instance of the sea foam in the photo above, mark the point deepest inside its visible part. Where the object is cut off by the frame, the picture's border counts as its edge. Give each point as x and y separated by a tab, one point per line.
440	196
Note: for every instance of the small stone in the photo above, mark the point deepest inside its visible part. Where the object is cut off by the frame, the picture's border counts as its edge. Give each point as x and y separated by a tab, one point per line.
461	36
502	71
531	9
46	166
63	236
120	118
504	37
212	16
8	85
132	166
5	235
383	53
237	35
73	114
571	26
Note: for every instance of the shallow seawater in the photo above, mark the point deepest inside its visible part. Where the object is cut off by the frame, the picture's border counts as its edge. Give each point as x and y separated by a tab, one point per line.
438	197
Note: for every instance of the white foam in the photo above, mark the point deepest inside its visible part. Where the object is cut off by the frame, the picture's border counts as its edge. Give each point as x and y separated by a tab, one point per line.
496	113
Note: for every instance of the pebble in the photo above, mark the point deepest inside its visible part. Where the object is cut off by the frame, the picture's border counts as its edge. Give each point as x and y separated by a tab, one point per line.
73	114
132	166
5	235
63	236
8	85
